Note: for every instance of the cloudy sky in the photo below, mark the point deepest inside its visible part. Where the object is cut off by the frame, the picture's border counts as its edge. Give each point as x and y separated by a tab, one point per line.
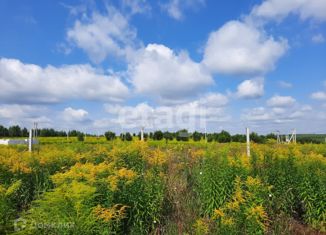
166	64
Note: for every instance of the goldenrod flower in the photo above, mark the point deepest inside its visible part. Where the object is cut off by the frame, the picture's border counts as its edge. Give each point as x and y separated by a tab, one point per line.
218	213
229	221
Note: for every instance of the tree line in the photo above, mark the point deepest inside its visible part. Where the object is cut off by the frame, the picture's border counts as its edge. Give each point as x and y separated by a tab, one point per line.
181	135
17	131
184	135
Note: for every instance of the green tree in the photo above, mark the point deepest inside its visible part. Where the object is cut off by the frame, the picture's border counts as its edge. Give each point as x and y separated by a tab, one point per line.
210	137
257	138
167	136
3	131
239	138
109	135
14	131
158	135
80	137
196	136
224	137
25	132
128	136
271	136
182	135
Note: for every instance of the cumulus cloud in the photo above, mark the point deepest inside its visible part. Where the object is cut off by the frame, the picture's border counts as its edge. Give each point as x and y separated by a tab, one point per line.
209	108
103	35
176	8
278	9
24	114
159	71
74	115
281	101
276	115
240	48
29	83
318	38
251	89
320	95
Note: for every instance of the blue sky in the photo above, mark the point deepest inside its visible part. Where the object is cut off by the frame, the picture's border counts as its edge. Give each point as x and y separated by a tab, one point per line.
169	64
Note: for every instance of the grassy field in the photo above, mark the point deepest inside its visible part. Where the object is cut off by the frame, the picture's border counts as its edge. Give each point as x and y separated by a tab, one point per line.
116	187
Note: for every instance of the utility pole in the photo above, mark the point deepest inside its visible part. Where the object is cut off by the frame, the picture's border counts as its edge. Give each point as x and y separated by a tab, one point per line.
30	140
248	141
205	133
142	133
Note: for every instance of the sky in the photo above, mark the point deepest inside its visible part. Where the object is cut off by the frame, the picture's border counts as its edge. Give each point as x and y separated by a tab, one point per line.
202	65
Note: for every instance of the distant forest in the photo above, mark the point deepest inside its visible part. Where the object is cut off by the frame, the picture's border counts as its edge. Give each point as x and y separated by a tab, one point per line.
181	135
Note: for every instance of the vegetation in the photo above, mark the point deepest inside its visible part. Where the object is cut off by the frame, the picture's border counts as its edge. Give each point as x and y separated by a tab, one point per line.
159	187
109	135
181	135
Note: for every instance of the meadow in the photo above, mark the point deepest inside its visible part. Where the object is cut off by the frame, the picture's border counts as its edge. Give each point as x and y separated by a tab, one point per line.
156	187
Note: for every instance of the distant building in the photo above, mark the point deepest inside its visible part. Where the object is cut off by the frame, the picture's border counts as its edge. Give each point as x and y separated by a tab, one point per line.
14	142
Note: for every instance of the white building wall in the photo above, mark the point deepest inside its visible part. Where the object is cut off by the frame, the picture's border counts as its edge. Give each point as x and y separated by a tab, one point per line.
13	142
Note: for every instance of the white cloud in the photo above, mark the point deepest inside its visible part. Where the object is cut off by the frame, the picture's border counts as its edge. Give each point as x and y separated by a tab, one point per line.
318	38
23	115
213	100
320	95
195	114
279	9
136	6
251	89
74	115
103	36
29	83
256	114
239	48
276	115
176	8
160	72
284	84
281	101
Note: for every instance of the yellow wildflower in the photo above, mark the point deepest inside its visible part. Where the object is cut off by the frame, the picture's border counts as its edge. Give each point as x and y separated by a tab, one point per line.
253	181
13	188
201	226
157	158
108	214
113	182
126	174
257	212
229	221
218	213
238	196
234	205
